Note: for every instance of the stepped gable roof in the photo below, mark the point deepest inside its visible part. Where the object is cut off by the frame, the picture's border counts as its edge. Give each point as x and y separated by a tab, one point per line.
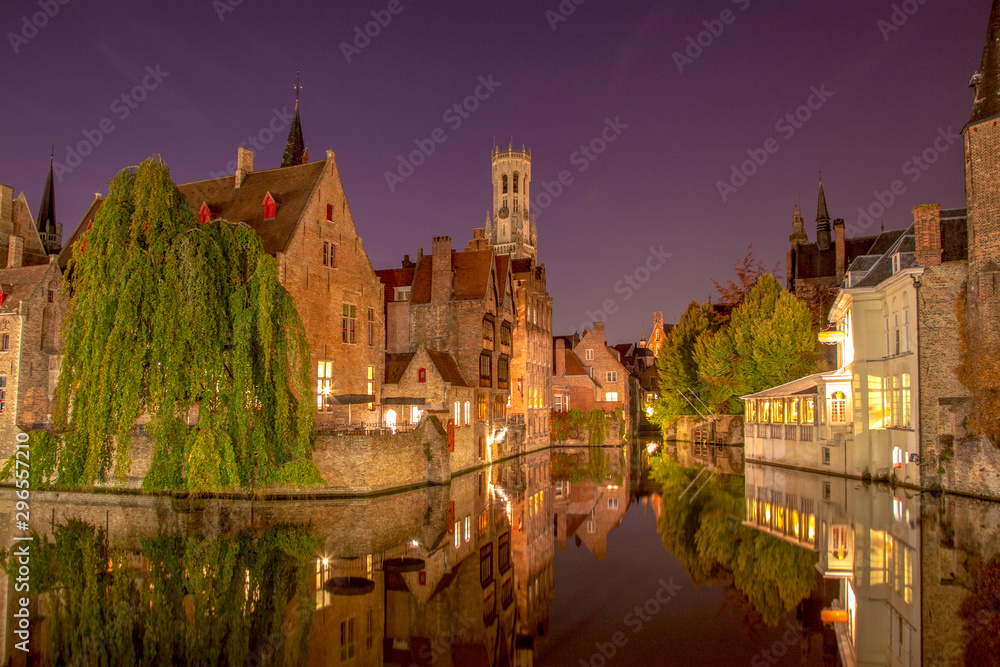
447	368
18	284
393	278
987	80
291	188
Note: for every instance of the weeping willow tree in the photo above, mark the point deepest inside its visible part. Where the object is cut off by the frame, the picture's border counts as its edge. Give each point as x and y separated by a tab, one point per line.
187	324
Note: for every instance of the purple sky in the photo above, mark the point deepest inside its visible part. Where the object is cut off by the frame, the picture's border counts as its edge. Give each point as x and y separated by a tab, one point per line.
655	186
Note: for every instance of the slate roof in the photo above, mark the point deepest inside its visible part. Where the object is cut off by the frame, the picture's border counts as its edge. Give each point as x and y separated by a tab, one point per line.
291	188
882	269
815	263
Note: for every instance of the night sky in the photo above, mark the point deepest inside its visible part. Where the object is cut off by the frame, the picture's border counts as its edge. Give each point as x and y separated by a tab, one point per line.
212	74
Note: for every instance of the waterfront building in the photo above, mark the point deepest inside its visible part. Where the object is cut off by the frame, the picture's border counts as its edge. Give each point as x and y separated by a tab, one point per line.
573	385
460	305
301	215
512	231
32	310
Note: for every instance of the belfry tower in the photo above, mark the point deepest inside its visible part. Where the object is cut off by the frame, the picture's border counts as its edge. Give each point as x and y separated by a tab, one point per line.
511	226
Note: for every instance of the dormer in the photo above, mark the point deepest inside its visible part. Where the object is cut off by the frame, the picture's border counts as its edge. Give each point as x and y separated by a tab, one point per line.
270	207
205	214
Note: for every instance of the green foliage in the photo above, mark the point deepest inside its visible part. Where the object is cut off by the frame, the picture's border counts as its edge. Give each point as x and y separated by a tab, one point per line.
201	602
705	534
677	367
768	341
168	317
598	465
567	425
597	427
618	420
427	452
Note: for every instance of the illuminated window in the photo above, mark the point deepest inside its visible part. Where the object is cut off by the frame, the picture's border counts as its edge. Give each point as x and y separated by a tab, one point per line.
482	408
371	385
499	407
765	412
324	381
838	408
904	414
751	411
611	396
466	413
793	411
457	413
414	414
809	411
778	411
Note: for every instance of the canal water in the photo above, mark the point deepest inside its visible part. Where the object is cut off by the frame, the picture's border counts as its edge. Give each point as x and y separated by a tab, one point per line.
635	555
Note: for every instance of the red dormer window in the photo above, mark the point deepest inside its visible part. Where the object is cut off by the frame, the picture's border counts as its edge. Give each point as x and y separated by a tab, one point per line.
270	208
205	214
422	375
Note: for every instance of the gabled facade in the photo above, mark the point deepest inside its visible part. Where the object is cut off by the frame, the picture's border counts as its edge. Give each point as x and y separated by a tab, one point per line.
461	304
303	220
606	367
573	386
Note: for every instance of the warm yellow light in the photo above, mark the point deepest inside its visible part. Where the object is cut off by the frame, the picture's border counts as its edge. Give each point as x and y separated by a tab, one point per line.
831	337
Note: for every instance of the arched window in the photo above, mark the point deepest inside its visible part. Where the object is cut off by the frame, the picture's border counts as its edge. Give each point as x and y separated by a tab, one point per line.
516	179
838	408
505	183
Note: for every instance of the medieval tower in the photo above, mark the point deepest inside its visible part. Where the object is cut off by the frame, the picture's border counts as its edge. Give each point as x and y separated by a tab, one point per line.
510	226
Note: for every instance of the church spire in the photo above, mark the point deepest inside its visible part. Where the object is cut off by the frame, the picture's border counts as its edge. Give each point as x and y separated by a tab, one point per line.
295	152
822	220
987	80
47	209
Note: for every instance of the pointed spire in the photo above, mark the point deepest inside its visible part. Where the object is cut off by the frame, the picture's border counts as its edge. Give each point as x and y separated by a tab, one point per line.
987	80
47	209
295	146
822	220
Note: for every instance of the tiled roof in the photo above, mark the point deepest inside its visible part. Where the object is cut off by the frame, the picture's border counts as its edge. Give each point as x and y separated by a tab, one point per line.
395	366
393	278
470	276
18	283
447	367
291	188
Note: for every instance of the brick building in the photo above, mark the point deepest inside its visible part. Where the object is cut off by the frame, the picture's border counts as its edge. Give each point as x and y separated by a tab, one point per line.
301	215
32	310
658	336
512	231
460	304
573	386
605	367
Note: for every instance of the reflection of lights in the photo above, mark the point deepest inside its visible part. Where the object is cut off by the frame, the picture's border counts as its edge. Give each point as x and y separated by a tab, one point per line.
767	513
414	543
649	411
651	447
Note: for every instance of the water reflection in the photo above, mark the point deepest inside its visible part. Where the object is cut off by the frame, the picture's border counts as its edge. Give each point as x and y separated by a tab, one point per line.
467	574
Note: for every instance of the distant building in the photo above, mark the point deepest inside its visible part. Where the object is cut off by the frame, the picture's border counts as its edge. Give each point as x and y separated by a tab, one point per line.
658	336
573	385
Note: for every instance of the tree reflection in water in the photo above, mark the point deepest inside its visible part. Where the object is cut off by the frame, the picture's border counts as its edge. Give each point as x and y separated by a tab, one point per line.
981	613
183	601
705	533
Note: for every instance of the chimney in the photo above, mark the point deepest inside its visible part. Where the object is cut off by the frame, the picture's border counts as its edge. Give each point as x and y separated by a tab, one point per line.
407	264
244	164
599	329
479	233
840	244
15	252
6	203
560	361
442	274
927	229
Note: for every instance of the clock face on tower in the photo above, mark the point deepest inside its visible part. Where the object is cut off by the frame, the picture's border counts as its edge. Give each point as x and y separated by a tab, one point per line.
503	213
